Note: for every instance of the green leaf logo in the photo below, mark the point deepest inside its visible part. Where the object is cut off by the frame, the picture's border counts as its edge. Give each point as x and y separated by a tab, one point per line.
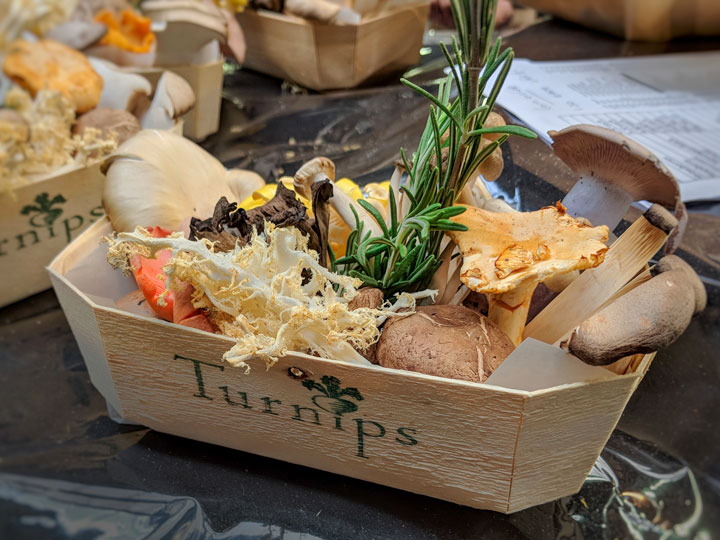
44	212
331	395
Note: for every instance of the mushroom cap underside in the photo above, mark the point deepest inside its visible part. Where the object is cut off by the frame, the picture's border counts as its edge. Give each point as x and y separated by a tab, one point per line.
502	251
612	157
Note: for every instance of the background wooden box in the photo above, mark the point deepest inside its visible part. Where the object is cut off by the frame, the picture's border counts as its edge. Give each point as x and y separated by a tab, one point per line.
479	445
207	82
328	57
38	220
642	20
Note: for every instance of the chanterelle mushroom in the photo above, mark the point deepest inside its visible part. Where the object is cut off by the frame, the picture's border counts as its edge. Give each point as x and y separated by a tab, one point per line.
505	255
614	171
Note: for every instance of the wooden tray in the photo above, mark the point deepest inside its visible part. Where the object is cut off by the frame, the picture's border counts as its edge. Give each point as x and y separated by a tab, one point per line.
207	82
480	445
642	20
39	219
328	57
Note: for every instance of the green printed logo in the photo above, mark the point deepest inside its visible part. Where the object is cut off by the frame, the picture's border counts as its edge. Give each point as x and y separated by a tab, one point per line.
48	222
43	213
331	399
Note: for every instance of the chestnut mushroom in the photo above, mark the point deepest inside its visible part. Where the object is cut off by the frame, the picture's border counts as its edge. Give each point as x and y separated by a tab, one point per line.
445	341
649	317
107	120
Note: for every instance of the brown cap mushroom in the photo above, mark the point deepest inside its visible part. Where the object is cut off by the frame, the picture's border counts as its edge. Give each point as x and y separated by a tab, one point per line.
320	168
117	121
445	341
649	317
506	255
614	171
673	262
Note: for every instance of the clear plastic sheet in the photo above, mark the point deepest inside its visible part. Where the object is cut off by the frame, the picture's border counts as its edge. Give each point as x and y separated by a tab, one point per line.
68	471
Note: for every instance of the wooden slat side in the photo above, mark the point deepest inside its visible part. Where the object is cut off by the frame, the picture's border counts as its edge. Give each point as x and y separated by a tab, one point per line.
441	438
280	46
55	211
81	316
563	432
335	52
390	42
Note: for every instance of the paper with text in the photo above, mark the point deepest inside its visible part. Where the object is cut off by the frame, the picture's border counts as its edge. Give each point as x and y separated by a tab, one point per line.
669	104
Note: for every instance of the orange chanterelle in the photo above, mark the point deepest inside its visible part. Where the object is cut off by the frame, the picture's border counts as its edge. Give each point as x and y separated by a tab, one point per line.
131	32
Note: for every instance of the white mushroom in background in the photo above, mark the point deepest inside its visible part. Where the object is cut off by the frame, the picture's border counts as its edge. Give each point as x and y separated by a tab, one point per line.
158	178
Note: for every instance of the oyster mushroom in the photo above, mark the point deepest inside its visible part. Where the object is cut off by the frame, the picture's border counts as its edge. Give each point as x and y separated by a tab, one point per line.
651	316
158	178
614	172
445	341
184	36
506	255
319	169
77	34
122	90
323	11
173	98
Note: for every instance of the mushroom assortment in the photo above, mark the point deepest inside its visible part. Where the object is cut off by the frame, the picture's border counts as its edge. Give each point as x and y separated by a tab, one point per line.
225	253
211	278
66	110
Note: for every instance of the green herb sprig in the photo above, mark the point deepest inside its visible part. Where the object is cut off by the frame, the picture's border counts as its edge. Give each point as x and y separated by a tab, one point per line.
406	255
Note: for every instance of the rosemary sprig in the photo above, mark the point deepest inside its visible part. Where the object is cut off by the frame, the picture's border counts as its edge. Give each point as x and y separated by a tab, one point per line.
406	256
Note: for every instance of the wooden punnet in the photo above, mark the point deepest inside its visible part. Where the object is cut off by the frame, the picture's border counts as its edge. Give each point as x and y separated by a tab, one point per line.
529	435
39	219
327	57
206	81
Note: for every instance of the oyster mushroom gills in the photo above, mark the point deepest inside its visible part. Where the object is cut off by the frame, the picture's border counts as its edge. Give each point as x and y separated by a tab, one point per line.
614	172
506	255
160	179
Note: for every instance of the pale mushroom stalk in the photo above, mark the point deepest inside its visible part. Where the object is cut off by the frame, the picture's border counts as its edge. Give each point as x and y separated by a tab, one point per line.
319	169
122	90
614	172
509	310
173	98
506	255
